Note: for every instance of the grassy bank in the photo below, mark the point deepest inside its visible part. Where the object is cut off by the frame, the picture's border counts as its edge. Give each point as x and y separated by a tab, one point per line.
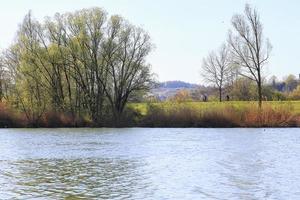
173	114
215	114
294	106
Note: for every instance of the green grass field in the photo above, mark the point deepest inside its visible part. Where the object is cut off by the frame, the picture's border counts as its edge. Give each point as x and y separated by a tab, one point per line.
294	106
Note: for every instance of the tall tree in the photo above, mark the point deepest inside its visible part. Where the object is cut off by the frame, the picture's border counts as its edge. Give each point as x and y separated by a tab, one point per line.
86	33
83	62
125	55
217	69
249	48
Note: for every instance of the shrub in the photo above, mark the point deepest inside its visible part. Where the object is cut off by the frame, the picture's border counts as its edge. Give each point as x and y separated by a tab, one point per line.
10	118
56	120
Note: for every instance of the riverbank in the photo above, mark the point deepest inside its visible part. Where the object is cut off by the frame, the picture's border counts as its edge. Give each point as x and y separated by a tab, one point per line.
171	114
227	114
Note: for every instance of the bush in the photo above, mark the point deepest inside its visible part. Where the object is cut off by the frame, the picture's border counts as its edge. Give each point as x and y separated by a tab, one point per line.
10	118
280	116
56	120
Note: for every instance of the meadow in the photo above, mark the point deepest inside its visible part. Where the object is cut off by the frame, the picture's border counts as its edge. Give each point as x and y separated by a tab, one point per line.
143	107
218	114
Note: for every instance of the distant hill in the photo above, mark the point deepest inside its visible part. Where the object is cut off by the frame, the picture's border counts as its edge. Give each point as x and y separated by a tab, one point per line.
177	84
168	89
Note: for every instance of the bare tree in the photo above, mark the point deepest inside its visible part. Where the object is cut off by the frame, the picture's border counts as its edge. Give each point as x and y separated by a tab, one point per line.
216	68
250	50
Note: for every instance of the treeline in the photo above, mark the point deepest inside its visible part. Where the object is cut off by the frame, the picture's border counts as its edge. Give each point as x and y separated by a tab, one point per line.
82	64
241	89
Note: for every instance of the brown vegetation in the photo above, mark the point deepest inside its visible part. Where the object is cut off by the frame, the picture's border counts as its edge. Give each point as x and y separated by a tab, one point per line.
173	115
10	118
228	116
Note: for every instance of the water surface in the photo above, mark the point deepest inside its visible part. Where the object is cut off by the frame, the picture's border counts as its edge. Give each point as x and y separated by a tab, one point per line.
149	163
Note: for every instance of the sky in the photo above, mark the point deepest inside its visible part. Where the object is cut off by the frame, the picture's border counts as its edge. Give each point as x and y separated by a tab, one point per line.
183	31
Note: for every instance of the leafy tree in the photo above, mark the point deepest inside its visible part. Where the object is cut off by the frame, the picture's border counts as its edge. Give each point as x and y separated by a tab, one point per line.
181	96
295	94
243	89
83	63
291	83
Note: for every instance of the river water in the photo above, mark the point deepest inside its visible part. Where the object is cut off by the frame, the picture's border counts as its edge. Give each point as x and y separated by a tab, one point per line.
149	164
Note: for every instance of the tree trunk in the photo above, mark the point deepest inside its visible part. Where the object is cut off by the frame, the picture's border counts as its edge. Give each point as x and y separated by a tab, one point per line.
259	95
220	94
259	103
259	85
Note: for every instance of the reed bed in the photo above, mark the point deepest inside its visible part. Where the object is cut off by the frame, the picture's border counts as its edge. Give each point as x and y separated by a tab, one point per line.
219	115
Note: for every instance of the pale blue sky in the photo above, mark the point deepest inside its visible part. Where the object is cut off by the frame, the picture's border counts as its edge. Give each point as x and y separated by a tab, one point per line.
183	31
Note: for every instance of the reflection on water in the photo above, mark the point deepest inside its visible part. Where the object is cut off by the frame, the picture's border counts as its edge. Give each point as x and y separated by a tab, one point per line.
81	178
149	164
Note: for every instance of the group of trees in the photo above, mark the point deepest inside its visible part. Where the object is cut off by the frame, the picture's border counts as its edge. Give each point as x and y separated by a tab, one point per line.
244	54
88	63
288	88
244	89
82	63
